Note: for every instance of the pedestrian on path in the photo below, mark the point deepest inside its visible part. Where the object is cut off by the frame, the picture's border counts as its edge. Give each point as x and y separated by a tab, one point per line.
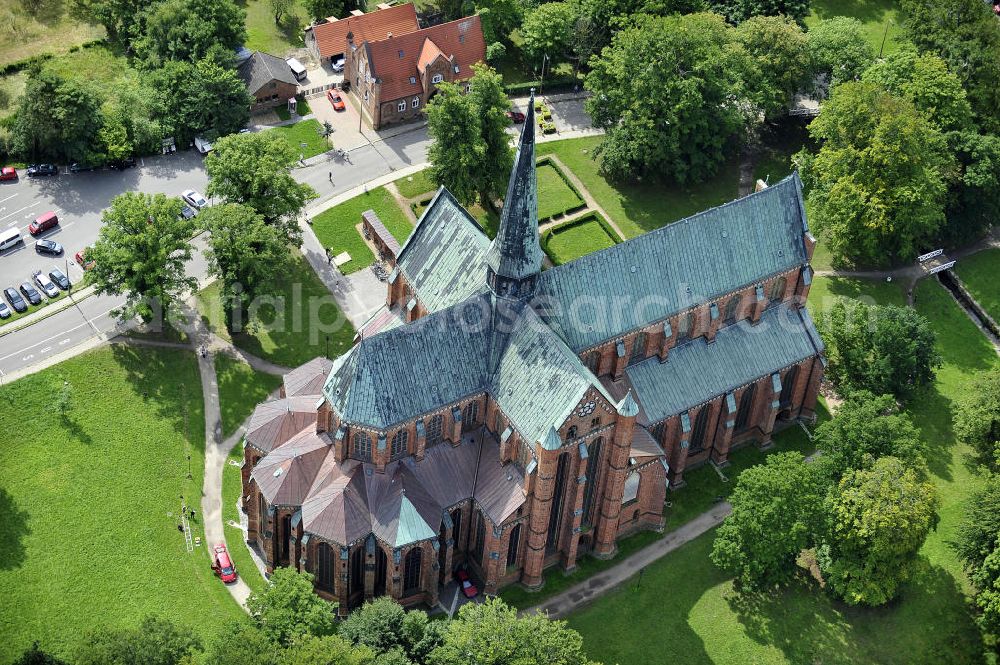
330	176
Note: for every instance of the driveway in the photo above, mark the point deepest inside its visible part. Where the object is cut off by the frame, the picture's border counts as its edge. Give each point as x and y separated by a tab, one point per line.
345	123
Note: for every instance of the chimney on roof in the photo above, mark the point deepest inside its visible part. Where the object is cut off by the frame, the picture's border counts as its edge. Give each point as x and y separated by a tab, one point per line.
388	36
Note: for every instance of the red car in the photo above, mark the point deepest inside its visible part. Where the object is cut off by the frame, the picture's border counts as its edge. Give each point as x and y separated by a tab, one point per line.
222	565
8	173
334	97
81	260
468	588
516	117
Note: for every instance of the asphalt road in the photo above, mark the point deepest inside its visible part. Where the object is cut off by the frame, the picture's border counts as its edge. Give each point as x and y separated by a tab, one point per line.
79	199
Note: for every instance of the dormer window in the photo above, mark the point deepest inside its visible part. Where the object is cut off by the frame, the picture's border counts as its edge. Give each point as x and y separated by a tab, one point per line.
413	80
400	54
456	69
437	78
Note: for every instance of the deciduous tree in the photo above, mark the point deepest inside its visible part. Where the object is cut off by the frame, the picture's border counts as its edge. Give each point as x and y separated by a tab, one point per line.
986	580
155	641
188	29
865	428
839	49
58	119
877	185
777	510
320	9
547	30
254	170
663	92
979	529
140	253
741	10
881	349
35	656
289	608
879	519
279	8
976	418
201	98
327	650
779	53
242	642
499	18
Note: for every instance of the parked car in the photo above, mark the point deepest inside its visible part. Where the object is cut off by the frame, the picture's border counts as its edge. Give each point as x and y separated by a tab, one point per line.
15	299
33	296
61	280
5	312
187	212
203	145
43	222
338	64
122	164
42	169
45	284
77	167
334	97
48	247
8	173
222	565
82	260
516	117
468	588
344	85
194	199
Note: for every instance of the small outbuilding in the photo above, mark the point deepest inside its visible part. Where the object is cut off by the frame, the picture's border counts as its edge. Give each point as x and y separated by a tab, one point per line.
269	80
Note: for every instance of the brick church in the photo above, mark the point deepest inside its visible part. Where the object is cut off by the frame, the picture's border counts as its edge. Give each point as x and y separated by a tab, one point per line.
509	419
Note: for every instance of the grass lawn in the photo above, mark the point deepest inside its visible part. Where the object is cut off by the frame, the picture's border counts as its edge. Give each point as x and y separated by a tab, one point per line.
264	35
640	207
232	486
336	230
708	623
825	291
241	388
292	329
779	143
304	131
979	274
554	195
414	185
876	15
28	29
89	500
301	108
575	239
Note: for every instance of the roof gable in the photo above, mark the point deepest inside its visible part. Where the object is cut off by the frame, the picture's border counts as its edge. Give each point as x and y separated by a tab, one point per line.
331	38
261	68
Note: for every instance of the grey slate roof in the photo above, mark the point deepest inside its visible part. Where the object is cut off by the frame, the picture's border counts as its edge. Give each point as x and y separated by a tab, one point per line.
697	371
444	257
261	68
515	252
713	252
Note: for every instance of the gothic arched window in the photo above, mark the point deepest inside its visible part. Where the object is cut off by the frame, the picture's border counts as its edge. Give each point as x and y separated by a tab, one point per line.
363	446
399	442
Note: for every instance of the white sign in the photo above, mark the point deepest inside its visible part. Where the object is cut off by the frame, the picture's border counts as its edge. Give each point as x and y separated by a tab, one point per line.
929	255
940	268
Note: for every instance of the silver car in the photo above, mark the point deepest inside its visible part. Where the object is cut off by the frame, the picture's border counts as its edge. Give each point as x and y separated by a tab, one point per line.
45	284
194	199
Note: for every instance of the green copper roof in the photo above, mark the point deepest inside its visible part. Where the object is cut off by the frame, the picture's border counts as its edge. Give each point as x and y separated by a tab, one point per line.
515	252
444	257
699	371
552	440
411	527
649	277
628	407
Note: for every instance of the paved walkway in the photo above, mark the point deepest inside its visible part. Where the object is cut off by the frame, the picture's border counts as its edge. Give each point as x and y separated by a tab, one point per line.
579	595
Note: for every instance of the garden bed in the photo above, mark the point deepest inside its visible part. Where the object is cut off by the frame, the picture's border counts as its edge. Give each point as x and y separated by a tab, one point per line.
578	237
556	194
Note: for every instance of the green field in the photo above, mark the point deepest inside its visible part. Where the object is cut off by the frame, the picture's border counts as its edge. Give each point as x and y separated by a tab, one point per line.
640	207
414	185
307	132
575	239
264	35
89	499
979	274
880	18
301	108
554	195
241	388
291	330
689	611
32	28
336	228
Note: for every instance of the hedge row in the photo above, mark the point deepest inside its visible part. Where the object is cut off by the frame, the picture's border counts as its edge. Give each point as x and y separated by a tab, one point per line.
25	63
565	226
548	161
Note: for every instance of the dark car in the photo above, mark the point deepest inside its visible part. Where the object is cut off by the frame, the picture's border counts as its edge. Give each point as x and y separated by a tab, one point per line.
15	299
77	167
516	117
61	280
122	164
48	247
31	293
187	212
42	169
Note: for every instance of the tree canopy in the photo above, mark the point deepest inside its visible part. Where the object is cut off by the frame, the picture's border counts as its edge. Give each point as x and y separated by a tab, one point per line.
976	418
155	641
188	29
58	119
776	512
203	98
741	10
547	30
141	252
879	519
839	49
289	609
979	529
882	349
688	70
779	55
321	9
254	170
865	428
876	187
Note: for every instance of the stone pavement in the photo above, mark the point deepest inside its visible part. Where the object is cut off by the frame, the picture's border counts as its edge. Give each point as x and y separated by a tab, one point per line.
579	595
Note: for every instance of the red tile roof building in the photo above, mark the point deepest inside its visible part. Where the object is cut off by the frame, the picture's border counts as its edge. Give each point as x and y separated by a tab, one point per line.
395	77
329	40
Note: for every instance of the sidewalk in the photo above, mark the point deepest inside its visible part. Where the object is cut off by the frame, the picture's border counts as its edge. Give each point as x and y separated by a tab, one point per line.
579	595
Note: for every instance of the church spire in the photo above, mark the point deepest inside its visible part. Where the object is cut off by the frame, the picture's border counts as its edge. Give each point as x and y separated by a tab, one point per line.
515	257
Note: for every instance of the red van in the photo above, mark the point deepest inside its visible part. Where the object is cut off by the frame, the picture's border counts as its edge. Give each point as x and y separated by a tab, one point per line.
43	222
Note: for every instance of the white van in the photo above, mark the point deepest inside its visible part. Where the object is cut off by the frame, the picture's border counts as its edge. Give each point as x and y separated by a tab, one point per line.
9	238
203	146
297	68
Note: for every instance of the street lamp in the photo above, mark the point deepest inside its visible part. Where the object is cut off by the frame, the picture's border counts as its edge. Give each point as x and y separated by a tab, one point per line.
541	79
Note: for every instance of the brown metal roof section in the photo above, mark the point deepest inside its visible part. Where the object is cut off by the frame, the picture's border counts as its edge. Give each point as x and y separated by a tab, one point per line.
339	511
331	38
499	487
275	422
286	475
643	444
448	472
383	234
461	41
308	379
